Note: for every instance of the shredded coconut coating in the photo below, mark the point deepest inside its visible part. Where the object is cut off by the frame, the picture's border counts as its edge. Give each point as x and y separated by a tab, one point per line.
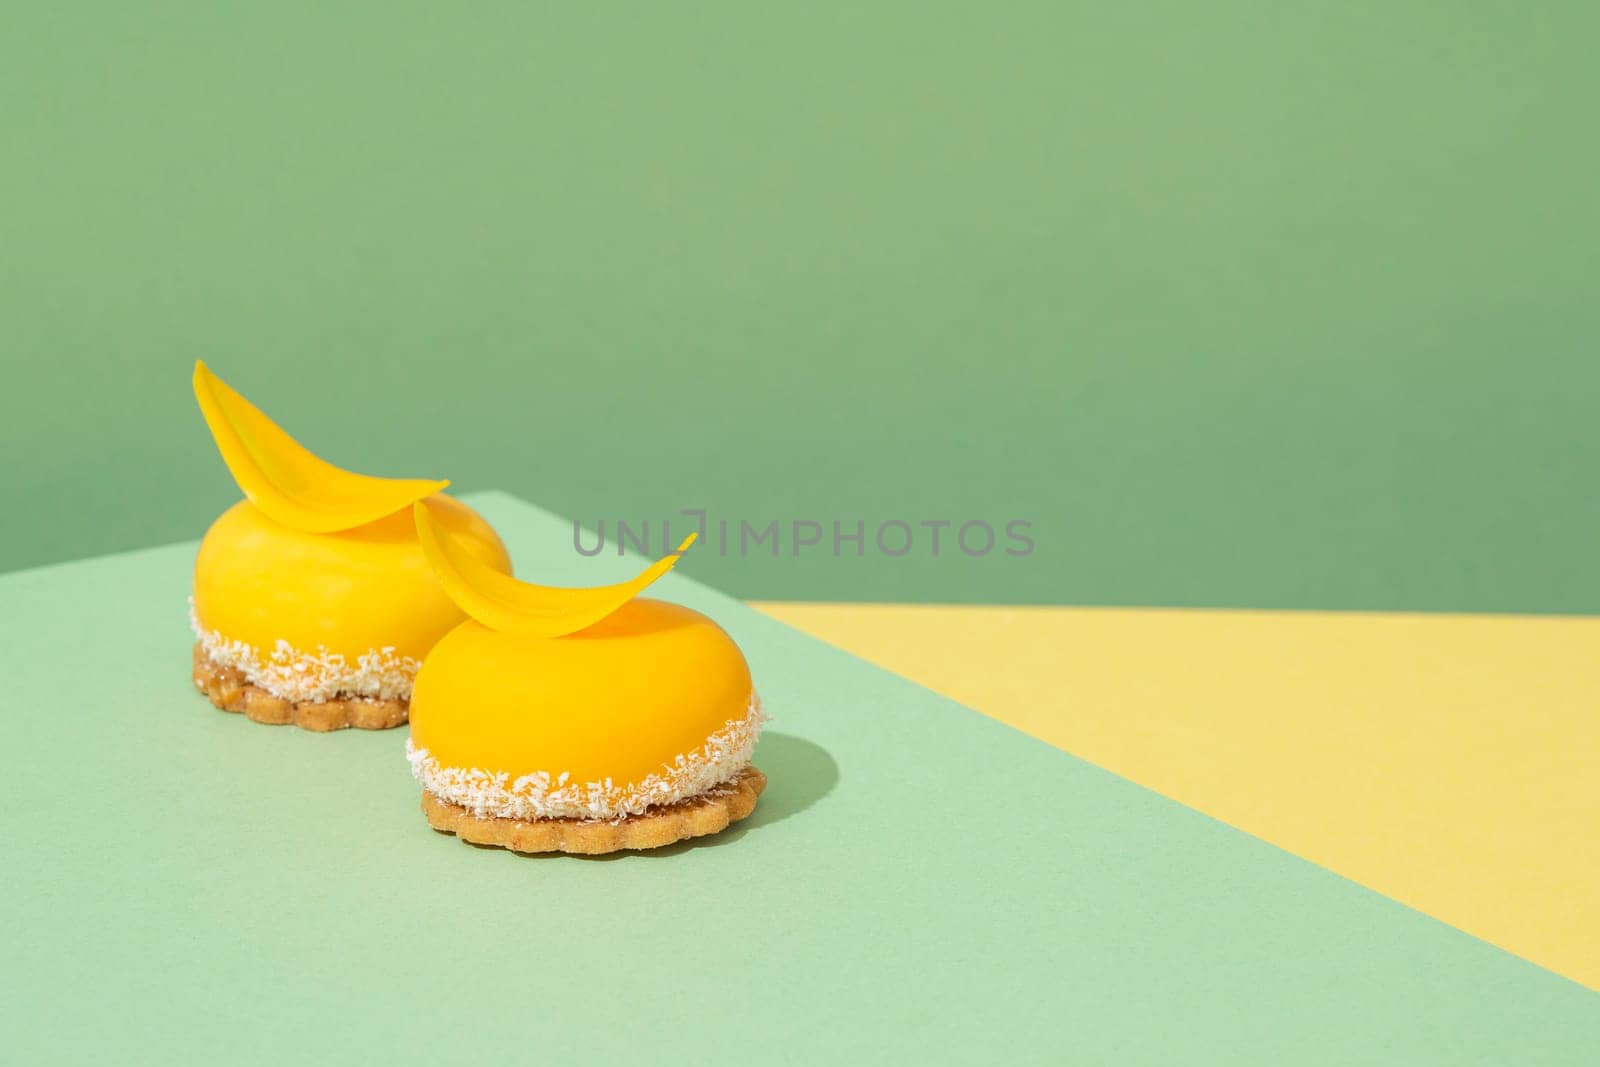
542	795
710	812
311	677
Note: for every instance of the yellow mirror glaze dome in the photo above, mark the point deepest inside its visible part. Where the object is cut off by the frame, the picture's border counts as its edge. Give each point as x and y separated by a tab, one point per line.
355	611
626	702
650	704
315	589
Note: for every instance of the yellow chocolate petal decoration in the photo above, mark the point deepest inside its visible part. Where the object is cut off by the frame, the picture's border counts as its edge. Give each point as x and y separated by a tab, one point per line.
501	602
285	481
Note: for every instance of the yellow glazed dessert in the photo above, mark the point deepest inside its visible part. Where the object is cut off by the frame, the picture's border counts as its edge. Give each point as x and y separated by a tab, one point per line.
578	720
313	602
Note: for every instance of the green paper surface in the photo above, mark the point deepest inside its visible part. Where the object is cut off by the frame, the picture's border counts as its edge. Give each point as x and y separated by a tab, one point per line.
919	884
1240	303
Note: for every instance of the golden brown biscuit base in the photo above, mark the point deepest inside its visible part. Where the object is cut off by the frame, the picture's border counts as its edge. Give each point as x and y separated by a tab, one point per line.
227	689
708	813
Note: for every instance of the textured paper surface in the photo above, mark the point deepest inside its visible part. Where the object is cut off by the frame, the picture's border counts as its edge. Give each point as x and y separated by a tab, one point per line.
919	881
1451	762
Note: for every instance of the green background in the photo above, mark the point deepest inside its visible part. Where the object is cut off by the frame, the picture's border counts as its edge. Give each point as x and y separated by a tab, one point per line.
1240	303
920	884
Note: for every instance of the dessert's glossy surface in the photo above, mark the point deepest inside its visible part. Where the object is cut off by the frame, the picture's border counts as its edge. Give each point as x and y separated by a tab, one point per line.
351	592
620	700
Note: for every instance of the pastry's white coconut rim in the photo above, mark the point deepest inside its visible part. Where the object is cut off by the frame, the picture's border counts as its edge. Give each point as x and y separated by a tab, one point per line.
546	795
301	677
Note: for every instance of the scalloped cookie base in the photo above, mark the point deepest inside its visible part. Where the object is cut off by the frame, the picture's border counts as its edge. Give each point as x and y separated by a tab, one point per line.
227	689
708	813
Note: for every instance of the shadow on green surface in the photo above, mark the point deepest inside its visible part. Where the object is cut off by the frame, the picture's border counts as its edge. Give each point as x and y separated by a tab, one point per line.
799	773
